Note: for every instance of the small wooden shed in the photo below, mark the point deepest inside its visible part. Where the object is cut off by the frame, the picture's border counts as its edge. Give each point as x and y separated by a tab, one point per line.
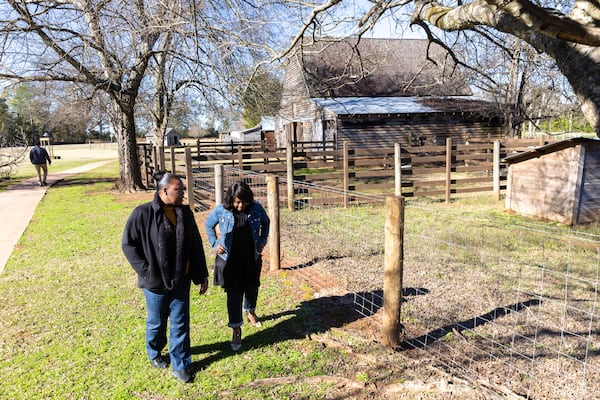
171	138
557	182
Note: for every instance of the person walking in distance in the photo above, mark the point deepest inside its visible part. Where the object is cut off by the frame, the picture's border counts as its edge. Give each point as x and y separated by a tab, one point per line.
162	243
40	159
243	231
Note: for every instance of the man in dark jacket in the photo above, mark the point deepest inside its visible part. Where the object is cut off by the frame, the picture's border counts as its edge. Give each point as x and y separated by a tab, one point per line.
38	157
162	243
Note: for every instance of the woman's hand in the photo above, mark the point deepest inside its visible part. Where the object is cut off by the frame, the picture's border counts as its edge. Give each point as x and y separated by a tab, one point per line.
220	249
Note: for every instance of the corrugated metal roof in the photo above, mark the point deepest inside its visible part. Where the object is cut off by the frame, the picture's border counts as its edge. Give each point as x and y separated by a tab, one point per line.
401	105
549	148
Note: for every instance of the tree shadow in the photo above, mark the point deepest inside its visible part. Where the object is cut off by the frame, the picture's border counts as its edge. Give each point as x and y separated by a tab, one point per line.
431	337
314	261
82	181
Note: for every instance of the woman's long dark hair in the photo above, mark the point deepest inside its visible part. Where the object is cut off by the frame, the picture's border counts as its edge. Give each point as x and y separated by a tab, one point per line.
241	190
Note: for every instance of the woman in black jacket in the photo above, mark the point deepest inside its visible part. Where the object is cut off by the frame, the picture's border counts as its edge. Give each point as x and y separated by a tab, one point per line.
162	243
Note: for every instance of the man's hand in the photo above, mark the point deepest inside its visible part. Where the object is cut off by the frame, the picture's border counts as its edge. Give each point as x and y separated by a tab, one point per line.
203	287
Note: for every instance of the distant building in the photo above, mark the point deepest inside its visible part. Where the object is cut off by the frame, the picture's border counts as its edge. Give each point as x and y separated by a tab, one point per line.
261	132
171	138
377	92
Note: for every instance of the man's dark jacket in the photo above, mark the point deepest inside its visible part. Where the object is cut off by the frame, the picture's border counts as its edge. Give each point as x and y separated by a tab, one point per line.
140	241
38	155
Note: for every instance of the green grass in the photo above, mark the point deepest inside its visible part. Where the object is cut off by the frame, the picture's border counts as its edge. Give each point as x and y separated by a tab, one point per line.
72	320
24	170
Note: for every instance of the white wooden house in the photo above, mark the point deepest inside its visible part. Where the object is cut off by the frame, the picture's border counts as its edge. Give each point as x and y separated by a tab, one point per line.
171	138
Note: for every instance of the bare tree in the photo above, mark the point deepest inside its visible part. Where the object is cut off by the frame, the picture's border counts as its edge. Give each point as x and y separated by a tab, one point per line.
571	38
212	56
110	46
106	45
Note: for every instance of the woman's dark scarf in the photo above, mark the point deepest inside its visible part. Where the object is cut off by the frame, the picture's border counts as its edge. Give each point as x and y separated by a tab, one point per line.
172	258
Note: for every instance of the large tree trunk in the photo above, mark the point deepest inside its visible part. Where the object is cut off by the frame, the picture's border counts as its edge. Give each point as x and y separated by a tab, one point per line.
130	176
581	66
160	116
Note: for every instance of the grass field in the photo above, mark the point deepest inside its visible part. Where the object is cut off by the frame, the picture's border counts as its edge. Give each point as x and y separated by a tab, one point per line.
72	320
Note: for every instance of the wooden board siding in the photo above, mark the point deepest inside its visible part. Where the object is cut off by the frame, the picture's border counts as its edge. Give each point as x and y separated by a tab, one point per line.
539	187
411	130
295	104
589	203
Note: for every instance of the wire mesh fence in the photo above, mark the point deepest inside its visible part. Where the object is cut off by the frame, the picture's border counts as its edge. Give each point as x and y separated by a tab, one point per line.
489	297
511	303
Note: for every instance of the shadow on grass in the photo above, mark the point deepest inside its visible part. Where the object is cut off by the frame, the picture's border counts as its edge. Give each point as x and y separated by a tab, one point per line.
369	303
431	337
317	260
83	181
310	317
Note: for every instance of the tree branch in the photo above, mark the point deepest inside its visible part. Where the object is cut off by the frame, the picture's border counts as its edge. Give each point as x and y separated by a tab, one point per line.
496	14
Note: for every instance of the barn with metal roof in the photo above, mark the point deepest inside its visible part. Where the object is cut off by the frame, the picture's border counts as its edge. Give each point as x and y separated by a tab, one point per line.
377	92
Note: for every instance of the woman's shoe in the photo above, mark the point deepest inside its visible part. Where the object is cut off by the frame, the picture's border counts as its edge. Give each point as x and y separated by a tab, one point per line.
253	319
236	341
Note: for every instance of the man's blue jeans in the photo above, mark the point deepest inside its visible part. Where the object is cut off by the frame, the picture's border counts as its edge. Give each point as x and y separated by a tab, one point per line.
175	306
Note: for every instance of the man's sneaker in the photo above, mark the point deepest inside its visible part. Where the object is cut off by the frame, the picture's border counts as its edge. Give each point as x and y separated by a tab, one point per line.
183	375
159	362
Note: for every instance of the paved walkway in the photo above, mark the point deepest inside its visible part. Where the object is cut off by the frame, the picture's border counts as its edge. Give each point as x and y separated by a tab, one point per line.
18	203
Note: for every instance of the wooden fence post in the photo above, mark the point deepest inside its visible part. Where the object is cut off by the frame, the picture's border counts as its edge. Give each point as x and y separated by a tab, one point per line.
218	184
155	160
145	166
346	164
173	161
397	169
161	158
393	270
240	157
448	168
289	159
189	177
273	209
496	171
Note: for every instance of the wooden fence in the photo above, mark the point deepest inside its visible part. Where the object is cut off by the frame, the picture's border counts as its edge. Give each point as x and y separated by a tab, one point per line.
407	171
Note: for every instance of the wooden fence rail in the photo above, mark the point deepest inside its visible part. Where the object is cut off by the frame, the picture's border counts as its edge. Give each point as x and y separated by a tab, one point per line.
423	170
